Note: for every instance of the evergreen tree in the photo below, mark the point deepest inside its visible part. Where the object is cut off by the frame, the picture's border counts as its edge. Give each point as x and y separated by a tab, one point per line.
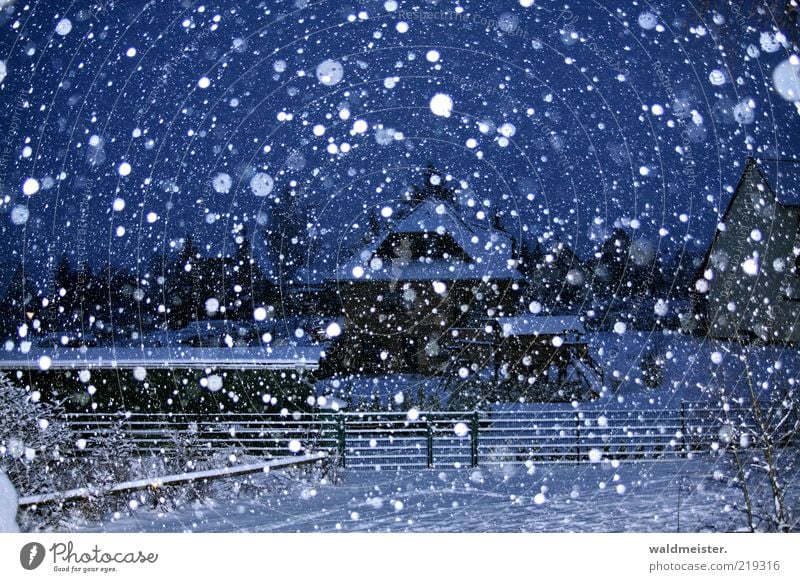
373	228
612	262
181	291
529	256
286	240
247	285
557	278
66	295
20	302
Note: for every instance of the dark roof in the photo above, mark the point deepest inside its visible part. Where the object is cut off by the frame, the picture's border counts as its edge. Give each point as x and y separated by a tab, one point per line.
783	176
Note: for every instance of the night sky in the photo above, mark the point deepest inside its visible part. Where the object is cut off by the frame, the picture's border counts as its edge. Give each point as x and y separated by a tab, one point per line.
127	126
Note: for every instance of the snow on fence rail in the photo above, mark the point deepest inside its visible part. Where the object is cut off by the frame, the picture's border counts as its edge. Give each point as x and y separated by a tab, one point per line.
422	439
156	482
116	358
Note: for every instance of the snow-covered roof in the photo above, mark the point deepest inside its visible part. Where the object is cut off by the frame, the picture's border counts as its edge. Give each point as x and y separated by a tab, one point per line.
540	325
386	387
278	357
488	251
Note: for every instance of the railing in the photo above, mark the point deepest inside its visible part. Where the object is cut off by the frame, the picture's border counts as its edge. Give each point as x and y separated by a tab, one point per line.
167	480
391	440
266	435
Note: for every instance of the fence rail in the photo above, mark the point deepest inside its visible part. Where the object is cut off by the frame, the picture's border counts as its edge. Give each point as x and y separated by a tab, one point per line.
389	440
155	482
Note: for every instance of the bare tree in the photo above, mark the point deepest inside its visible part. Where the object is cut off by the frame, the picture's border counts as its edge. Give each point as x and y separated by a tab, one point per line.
762	444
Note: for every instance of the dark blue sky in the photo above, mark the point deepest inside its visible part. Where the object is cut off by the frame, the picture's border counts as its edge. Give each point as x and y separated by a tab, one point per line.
566	120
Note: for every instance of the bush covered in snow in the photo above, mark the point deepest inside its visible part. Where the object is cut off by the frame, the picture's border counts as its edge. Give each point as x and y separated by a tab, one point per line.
40	454
33	441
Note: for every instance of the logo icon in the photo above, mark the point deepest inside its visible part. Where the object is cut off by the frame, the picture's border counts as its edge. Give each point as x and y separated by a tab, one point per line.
32	555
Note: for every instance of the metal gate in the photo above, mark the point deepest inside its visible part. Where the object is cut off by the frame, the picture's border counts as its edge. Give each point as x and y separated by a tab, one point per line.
413	440
400	440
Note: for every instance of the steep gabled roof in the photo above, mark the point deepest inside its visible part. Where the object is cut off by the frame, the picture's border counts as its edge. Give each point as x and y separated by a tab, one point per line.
750	166
489	250
783	177
785	174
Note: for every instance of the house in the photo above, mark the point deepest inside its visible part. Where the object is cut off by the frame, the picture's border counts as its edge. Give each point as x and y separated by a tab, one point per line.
748	285
434	276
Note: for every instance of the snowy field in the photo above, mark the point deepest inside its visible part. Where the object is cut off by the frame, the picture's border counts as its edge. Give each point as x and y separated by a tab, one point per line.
666	496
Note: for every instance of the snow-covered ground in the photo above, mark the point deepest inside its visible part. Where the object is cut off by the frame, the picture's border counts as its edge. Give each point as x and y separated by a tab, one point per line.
666	496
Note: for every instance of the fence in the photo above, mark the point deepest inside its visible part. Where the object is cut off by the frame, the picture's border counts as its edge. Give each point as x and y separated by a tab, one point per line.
426	439
155	482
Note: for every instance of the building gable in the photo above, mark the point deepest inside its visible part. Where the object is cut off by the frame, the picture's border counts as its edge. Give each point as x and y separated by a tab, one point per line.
749	276
434	243
421	246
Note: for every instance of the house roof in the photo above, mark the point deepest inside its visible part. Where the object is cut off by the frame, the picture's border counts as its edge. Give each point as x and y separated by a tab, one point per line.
279	357
783	176
540	325
490	250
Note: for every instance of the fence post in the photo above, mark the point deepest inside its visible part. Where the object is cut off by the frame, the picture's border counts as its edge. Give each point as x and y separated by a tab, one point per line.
577	439
340	439
683	430
474	440
430	442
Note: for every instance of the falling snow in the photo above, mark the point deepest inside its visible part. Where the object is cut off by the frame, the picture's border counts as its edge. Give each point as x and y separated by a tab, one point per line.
441	105
261	184
493	261
222	183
